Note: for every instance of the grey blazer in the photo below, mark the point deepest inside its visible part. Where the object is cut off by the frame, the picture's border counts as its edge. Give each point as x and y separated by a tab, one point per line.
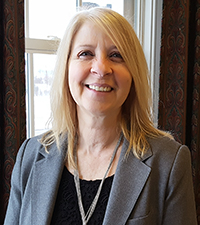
152	191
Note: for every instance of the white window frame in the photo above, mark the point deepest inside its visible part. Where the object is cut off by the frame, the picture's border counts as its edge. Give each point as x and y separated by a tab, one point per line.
145	17
148	29
147	24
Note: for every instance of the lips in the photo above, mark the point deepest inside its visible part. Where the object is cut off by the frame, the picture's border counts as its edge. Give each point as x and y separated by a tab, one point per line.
100	88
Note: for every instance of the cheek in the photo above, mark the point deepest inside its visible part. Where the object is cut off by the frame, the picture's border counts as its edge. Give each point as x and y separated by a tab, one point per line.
76	77
72	73
72	81
127	89
74	91
77	73
126	81
125	84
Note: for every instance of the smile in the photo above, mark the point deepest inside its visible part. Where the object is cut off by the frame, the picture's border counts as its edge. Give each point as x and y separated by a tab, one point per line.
101	89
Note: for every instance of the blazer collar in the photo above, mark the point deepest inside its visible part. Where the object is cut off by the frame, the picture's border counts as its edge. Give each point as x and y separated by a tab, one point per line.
47	171
130	178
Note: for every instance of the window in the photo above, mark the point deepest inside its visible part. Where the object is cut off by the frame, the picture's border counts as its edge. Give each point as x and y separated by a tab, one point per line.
46	21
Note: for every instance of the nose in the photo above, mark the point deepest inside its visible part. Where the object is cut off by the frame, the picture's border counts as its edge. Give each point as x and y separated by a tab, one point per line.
101	67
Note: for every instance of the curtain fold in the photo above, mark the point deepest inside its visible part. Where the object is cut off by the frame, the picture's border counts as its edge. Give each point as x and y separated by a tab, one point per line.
194	91
173	69
179	106
12	92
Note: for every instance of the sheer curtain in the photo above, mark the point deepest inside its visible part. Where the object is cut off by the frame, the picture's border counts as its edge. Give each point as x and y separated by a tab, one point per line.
12	92
179	102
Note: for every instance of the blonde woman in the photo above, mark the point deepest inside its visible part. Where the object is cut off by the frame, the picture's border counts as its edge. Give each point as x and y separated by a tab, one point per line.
103	161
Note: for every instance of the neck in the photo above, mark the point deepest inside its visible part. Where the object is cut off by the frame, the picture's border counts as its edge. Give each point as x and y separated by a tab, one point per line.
98	133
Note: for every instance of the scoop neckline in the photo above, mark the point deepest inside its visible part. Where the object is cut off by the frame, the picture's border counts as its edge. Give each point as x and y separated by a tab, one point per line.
89	181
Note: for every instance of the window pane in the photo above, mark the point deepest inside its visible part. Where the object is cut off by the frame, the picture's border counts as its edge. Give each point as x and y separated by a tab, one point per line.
43	75
117	5
49	17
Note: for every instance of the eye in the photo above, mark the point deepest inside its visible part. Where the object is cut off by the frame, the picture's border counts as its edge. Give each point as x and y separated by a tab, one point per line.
116	56
85	54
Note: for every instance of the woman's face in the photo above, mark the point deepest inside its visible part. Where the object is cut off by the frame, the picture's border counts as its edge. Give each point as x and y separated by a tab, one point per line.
99	80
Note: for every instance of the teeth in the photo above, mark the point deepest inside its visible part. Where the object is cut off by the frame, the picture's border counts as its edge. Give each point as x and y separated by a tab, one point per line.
96	88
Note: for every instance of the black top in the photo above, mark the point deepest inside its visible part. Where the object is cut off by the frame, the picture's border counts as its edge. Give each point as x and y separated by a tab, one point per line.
66	209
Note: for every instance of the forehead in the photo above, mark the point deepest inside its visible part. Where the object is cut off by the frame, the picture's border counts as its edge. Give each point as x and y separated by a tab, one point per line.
91	33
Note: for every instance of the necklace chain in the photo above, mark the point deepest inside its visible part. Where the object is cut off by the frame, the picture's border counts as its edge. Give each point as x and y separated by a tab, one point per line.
85	217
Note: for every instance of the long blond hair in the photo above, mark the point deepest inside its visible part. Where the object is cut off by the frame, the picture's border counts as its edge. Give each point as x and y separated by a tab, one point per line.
136	118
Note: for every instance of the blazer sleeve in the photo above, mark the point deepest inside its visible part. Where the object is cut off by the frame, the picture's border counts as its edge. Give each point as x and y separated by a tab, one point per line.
179	202
17	187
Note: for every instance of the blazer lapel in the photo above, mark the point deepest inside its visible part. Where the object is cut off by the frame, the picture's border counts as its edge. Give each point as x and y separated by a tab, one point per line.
129	180
47	173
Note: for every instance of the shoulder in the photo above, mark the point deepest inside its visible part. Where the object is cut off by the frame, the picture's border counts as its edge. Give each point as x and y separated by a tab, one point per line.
27	154
30	147
33	146
166	146
31	152
167	152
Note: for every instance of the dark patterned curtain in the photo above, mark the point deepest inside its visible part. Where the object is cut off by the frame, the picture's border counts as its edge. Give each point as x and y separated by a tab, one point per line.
12	92
179	105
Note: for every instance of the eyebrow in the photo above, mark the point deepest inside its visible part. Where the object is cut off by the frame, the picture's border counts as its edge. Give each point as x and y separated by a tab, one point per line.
84	46
113	47
92	46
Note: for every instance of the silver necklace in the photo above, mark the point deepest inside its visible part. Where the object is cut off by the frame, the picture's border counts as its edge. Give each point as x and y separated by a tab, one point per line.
85	217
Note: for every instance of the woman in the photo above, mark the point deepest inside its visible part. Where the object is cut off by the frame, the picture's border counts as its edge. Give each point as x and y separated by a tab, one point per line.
103	162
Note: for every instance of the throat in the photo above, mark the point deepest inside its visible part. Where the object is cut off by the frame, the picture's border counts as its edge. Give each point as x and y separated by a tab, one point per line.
92	165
